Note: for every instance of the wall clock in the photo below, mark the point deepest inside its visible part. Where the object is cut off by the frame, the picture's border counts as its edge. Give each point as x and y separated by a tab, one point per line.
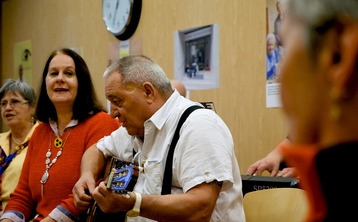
121	17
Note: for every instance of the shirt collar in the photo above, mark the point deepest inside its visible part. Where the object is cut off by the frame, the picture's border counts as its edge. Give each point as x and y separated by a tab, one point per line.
161	115
54	126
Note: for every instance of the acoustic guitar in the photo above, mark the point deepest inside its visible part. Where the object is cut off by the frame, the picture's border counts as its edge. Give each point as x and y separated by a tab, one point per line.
121	177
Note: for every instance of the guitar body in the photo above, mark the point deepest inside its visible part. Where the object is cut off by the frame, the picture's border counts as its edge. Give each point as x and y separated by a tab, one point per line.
97	215
121	177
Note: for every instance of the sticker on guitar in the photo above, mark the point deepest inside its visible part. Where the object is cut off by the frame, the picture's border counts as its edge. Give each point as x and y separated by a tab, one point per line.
121	180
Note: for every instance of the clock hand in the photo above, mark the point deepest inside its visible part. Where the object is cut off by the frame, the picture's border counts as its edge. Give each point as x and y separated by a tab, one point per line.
115	12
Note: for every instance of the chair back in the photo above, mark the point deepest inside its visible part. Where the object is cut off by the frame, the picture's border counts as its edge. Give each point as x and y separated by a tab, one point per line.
276	205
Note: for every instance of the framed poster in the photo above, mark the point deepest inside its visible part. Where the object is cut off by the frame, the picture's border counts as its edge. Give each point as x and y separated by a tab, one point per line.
196	57
275	13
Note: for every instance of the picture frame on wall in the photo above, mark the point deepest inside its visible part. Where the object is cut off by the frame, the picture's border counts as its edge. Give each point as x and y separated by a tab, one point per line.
196	57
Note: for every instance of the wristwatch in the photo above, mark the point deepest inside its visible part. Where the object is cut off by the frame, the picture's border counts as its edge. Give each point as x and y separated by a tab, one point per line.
136	209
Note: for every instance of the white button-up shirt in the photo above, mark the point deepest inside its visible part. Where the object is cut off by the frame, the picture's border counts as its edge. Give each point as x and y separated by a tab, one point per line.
204	153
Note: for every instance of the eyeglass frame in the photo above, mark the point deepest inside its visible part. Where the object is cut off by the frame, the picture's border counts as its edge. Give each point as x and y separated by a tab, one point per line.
13	103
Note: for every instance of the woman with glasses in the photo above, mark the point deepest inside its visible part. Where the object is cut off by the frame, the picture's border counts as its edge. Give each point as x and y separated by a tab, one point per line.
17	102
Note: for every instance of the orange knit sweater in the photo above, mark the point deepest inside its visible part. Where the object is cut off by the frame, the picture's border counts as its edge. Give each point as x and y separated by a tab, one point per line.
63	174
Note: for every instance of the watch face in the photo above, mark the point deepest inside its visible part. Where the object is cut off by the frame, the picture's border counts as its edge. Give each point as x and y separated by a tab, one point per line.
116	14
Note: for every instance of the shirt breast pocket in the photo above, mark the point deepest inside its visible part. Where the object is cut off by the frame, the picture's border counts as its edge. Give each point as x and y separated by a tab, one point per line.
152	181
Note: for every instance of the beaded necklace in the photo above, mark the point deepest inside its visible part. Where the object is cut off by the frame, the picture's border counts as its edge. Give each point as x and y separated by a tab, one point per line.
58	143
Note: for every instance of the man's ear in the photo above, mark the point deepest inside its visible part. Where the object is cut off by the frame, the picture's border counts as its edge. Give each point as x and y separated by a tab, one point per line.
344	56
149	91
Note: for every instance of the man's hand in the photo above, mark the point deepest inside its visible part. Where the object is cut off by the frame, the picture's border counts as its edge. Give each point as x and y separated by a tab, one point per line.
83	190
112	202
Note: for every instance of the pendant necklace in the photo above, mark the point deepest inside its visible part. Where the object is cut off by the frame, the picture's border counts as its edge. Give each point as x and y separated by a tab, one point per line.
15	142
58	143
18	146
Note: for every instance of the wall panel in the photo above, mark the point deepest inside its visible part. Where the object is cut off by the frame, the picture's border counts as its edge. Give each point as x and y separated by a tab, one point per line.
240	100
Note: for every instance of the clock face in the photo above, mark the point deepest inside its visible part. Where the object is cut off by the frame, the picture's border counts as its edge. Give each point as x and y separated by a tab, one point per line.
116	15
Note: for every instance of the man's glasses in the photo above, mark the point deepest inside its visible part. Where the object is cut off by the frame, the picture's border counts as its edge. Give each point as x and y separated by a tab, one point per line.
13	103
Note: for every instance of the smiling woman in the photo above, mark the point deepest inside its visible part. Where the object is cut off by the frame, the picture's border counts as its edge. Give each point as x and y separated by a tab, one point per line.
72	120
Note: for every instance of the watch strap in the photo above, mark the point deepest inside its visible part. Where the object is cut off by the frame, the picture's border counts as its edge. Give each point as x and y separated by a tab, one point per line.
136	208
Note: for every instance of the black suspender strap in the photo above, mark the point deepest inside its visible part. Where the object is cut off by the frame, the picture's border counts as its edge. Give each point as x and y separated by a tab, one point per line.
167	179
